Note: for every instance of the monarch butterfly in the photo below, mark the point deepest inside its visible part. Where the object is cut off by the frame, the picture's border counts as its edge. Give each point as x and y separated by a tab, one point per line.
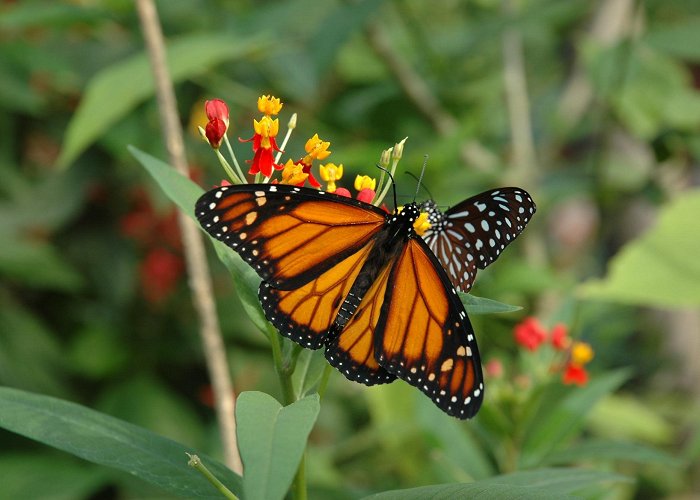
473	233
345	275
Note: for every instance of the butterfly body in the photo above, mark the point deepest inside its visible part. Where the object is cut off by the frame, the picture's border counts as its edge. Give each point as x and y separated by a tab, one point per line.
343	275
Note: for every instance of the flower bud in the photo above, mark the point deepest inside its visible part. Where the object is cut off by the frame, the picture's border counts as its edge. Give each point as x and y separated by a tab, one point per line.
216	108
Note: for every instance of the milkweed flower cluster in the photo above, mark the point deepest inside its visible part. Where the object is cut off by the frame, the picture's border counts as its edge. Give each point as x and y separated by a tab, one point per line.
266	165
531	335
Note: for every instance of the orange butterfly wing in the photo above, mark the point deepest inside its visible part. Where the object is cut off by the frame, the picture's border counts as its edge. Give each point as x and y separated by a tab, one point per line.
306	313
289	235
424	335
308	246
351	350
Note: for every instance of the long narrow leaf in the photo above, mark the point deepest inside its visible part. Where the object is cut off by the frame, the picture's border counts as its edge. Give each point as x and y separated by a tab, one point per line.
536	485
105	440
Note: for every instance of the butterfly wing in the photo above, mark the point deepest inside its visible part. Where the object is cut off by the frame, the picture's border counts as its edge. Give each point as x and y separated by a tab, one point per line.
289	235
351	349
307	245
305	314
424	335
473	233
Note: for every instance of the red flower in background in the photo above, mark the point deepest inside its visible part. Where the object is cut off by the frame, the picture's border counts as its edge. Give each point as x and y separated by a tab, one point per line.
160	272
530	333
159	235
560	339
574	374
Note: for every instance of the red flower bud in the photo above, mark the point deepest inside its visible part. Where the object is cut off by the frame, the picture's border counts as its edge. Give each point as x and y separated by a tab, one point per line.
216	108
366	195
215	131
342	192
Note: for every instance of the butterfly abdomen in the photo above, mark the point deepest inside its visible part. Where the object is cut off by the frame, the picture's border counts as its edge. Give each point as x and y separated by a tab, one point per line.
387	246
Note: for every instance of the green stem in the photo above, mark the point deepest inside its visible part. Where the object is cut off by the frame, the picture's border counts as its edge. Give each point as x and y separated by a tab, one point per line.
283	371
197	464
233	157
234	177
300	492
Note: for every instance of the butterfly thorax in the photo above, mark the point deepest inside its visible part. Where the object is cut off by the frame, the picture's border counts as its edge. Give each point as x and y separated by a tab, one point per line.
388	243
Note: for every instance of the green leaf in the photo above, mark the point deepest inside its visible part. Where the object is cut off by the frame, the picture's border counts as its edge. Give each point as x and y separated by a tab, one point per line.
625	417
119	88
481	305
562	414
661	267
105	440
678	39
62	478
272	439
308	371
599	450
457	442
536	485
181	190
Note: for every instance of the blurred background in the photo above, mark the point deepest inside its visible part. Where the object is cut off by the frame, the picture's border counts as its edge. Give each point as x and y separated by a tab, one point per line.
591	106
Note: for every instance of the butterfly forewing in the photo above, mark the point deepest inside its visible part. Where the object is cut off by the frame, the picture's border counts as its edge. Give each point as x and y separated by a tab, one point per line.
473	233
289	235
424	335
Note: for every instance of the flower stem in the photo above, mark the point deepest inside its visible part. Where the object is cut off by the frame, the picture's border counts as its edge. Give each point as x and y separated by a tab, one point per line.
235	160
197	464
229	171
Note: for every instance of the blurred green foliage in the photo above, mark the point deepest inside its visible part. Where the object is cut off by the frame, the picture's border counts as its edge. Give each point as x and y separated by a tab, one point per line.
90	314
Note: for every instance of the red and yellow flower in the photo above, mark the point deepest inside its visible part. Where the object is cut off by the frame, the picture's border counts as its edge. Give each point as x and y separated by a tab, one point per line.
264	140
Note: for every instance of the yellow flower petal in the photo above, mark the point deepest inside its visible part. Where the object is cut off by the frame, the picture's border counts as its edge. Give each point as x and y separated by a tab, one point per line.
269	105
365	182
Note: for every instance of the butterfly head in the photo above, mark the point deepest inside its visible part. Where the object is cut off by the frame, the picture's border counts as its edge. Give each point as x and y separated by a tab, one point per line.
413	217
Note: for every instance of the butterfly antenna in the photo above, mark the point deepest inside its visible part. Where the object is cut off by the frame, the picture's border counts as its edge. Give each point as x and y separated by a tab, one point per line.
421	185
420	179
393	183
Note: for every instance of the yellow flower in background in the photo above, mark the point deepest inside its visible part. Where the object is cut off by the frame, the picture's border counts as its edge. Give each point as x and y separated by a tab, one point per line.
581	353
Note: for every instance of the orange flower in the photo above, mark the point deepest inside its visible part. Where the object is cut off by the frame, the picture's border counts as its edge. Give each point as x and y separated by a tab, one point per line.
316	149
294	174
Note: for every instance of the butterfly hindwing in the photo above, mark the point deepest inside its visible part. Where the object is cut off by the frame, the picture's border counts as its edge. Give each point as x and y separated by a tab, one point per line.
351	350
424	335
473	233
289	235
